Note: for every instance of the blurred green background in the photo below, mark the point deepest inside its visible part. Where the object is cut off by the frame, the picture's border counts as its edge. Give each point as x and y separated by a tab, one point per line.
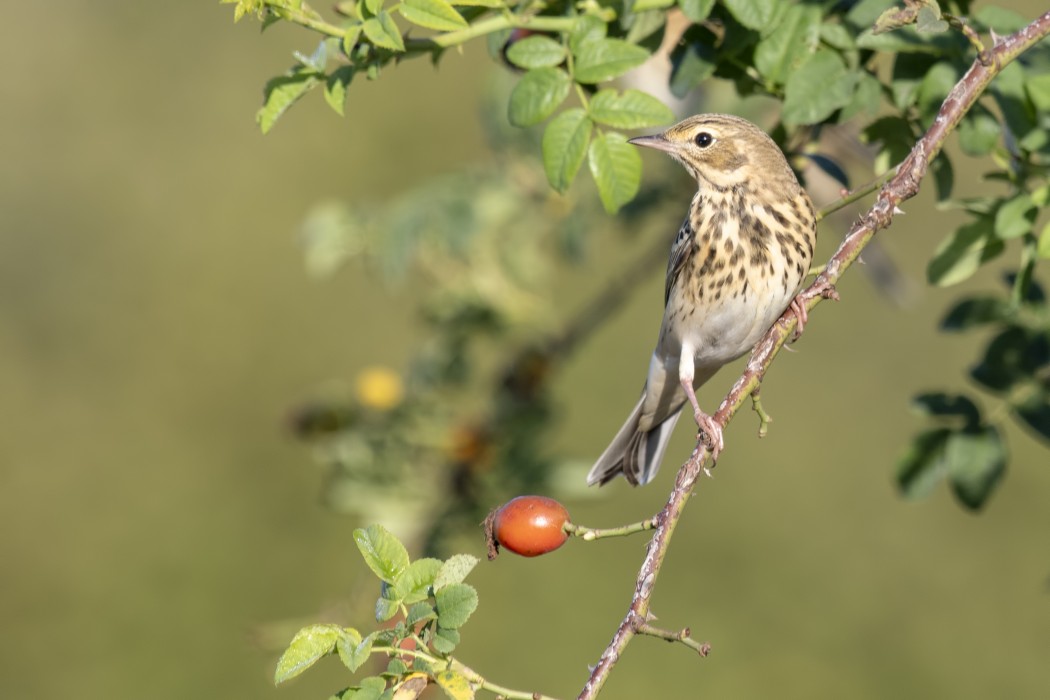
161	532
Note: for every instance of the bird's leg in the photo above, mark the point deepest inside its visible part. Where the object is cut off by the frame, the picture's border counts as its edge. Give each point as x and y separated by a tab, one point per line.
712	430
821	287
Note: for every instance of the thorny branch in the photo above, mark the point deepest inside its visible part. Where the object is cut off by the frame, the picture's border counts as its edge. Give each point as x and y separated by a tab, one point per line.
903	186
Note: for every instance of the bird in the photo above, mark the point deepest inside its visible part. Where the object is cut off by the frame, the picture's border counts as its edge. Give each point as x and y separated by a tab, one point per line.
736	264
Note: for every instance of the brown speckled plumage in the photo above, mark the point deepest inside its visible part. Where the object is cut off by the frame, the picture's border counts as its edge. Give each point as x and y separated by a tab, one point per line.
736	264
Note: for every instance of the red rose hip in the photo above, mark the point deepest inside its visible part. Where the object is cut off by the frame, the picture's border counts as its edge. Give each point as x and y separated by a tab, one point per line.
528	525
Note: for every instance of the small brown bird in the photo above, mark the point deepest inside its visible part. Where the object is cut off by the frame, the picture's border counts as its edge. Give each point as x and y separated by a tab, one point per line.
736	264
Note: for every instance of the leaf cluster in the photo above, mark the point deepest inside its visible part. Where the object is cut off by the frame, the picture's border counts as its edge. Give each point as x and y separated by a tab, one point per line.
423	604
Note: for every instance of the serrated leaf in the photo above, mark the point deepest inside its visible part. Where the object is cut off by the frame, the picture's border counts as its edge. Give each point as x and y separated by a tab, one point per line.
455	570
309	644
923	467
537	95
336	86
976	462
455	685
605	59
616	168
371	688
963	252
797	35
977	311
432	14
445	640
940	78
413	585
536	51
632	109
696	10
349	39
1016	217
819	86
282	92
419	612
382	32
384	553
353	650
753	14
587	28
455	603
837	36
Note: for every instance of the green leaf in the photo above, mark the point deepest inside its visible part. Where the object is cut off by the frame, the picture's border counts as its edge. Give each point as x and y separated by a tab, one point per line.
536	51
309	644
935	86
350	37
455	685
455	603
353	650
977	311
1034	412
867	96
1044	242
387	604
564	147
943	176
373	6
537	95
895	135
976	461
929	21
909	70
978	132
963	252
1011	359
797	35
1038	89
754	14
413	585
836	36
480	3
632	109
284	91
382	32
454	570
819	86
923	467
371	688
586	30
605	59
696	10
445	640
418	612
617	169
1016	217
384	553
693	61
432	14
941	405
335	88
1001	20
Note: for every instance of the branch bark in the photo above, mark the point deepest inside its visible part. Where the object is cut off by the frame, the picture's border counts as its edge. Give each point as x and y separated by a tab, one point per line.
904	185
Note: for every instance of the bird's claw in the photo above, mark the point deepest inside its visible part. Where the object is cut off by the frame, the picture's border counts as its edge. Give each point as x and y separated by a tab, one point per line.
712	434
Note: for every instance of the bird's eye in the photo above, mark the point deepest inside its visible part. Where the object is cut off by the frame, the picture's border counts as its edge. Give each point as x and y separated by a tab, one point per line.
704	139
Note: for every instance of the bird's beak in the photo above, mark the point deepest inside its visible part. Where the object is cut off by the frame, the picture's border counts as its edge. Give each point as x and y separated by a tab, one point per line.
657	141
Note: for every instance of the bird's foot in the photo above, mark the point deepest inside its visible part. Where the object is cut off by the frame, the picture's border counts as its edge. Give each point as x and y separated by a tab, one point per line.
821	287
712	433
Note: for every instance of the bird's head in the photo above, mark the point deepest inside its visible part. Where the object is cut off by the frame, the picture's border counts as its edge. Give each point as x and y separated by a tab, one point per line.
722	151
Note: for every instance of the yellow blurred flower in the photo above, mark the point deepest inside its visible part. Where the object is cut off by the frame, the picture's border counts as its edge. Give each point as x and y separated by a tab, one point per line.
379	388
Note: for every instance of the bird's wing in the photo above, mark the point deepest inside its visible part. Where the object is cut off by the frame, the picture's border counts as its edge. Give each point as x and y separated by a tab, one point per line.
679	249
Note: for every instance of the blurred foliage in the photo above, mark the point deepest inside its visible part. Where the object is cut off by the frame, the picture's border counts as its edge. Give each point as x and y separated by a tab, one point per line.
485	242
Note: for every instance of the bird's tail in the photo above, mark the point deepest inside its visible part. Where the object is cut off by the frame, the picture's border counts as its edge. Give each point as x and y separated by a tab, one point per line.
634	453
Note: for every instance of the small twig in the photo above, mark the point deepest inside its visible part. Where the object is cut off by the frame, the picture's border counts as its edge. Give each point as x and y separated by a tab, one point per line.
853	195
589	533
764	419
701	648
903	185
